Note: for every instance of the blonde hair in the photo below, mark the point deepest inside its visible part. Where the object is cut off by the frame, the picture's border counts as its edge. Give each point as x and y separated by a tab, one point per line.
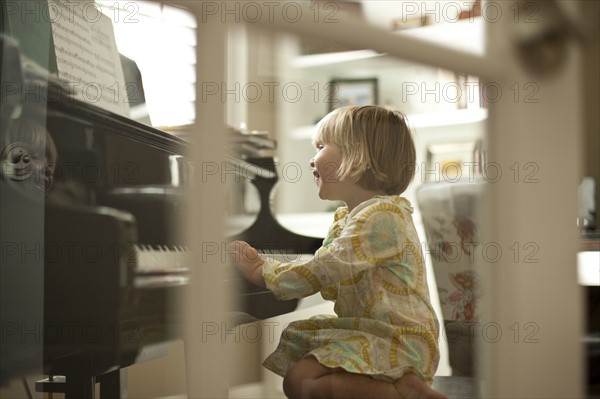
378	151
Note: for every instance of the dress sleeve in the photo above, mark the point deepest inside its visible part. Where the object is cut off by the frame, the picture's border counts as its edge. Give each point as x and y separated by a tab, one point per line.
374	237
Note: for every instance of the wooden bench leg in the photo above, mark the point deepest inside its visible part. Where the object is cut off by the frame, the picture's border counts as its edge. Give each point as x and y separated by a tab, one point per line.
113	384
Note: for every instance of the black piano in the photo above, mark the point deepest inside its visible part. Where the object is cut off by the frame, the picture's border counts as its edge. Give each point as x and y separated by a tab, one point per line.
116	200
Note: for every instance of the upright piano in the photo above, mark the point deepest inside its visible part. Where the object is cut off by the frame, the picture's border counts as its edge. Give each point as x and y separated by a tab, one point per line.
115	205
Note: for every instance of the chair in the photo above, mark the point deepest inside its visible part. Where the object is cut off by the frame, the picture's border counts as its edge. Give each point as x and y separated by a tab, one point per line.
451	220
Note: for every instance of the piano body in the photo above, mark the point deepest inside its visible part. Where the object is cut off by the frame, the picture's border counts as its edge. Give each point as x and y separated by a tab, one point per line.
117	200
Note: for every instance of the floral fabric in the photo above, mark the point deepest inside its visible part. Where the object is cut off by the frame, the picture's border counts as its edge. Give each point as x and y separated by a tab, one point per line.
372	267
455	247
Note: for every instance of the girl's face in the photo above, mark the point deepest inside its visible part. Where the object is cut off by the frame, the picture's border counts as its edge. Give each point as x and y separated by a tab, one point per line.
325	165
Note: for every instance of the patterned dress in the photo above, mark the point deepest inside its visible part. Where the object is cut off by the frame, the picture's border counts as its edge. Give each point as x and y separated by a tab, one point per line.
372	266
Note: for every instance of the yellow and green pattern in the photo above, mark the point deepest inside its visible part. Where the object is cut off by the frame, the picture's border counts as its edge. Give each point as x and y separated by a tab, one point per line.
372	267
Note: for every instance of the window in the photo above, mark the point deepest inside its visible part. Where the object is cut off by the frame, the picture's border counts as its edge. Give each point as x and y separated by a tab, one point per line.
161	39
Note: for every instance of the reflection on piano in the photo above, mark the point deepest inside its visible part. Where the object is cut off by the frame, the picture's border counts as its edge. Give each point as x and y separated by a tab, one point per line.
114	261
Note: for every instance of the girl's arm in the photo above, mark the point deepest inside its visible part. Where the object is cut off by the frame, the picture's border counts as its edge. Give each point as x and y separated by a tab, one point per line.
249	262
376	237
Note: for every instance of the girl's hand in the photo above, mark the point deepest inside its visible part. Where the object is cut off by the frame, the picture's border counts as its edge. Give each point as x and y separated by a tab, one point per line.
249	262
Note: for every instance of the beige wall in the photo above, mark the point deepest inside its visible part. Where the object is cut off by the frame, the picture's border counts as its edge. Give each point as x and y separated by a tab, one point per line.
591	83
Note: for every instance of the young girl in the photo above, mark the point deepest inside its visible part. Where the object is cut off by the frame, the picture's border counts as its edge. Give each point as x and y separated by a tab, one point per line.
383	342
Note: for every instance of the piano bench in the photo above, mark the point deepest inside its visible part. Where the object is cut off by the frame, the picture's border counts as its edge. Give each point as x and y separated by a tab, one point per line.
112	385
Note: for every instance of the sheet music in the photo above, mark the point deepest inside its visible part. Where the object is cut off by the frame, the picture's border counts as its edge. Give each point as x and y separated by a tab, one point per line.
87	55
